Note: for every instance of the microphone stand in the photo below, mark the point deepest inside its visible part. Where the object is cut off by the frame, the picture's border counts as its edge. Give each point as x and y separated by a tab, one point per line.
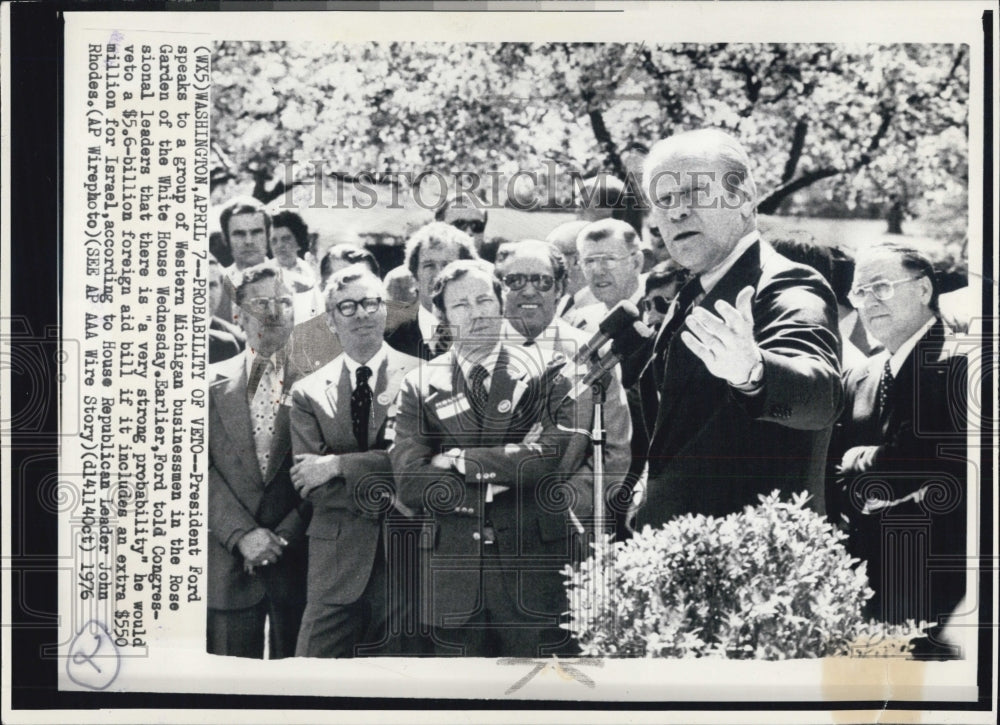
598	437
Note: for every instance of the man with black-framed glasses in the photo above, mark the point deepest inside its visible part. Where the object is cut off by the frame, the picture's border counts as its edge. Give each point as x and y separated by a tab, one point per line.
897	479
339	422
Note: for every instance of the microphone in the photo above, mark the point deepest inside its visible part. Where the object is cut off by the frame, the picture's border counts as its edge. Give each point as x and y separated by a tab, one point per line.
614	324
624	344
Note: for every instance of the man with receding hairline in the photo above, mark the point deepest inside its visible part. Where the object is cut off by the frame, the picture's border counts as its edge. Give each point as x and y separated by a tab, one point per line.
577	293
742	383
256	551
338	422
898	481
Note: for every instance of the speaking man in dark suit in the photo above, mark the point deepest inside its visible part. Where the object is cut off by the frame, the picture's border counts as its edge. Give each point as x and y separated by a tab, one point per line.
899	483
256	550
746	364
484	441
339	416
428	251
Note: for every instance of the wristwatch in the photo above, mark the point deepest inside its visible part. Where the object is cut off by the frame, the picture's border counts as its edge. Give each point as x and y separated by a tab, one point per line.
755	378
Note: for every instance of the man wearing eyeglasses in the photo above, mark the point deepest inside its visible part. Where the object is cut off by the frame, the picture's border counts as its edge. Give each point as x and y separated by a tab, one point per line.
339	418
662	285
256	550
484	442
612	265
577	293
898	456
612	260
534	277
743	379
468	213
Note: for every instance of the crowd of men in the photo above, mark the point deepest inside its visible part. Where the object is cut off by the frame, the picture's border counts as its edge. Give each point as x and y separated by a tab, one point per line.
400	476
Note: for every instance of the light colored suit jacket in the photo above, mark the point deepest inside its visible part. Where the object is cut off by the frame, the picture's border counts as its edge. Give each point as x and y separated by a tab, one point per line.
347	511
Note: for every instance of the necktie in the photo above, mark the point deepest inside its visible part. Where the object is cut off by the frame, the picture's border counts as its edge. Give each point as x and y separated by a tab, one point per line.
477	389
361	407
685	300
884	387
262	410
440	340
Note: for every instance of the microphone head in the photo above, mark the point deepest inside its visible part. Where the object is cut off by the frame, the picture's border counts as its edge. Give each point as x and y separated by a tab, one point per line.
618	318
631	339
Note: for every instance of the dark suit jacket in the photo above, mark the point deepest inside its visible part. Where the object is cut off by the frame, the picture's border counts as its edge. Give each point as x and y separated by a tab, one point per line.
520	445
406	338
347	511
712	449
914	464
241	499
225	340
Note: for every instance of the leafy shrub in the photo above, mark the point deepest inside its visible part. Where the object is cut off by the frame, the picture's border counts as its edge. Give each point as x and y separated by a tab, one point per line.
772	582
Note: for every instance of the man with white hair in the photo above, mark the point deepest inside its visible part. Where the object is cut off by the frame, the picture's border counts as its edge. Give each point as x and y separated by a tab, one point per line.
743	380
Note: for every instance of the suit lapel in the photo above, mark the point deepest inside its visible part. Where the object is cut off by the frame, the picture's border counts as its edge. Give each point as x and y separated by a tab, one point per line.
681	364
230	400
449	399
382	398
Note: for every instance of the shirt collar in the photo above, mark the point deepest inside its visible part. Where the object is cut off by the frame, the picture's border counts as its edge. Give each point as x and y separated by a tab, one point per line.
252	357
427	321
897	359
374	363
710	278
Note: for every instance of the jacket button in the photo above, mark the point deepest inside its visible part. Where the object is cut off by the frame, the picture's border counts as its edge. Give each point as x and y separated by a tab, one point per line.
476	536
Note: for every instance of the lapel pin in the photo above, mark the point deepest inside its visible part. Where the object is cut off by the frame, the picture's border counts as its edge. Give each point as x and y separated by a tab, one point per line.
504	406
384	399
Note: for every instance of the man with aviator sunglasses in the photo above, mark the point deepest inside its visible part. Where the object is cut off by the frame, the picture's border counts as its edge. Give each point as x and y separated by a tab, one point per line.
534	279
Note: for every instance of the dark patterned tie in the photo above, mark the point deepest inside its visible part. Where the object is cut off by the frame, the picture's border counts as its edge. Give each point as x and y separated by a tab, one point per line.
361	407
477	389
685	301
884	388
440	340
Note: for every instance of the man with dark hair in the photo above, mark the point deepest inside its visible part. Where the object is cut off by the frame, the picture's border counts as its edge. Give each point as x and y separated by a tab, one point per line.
662	285
468	213
898	457
747	362
339	417
484	442
428	251
256	549
246	226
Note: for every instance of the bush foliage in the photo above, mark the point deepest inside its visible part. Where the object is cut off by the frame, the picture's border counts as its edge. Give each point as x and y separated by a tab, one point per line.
772	582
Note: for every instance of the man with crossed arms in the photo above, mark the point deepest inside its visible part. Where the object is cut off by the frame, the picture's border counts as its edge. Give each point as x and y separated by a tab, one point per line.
484	444
339	419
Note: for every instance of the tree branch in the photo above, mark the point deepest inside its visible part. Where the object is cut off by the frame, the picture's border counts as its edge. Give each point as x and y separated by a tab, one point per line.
795	153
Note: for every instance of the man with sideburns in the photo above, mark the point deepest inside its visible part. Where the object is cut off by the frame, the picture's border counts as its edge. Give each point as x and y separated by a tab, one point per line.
484	443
